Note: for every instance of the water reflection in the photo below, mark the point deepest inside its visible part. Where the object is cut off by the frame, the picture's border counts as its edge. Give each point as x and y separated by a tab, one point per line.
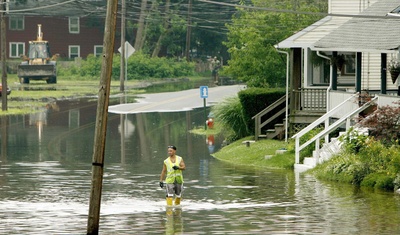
45	182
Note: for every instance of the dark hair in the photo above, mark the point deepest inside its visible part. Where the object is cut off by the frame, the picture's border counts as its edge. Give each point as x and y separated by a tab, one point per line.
172	147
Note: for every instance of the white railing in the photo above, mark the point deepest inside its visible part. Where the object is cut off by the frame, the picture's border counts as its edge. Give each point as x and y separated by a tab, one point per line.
345	117
387	100
336	98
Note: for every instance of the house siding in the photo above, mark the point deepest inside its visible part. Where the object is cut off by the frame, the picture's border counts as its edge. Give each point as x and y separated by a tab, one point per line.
56	32
350	7
371	73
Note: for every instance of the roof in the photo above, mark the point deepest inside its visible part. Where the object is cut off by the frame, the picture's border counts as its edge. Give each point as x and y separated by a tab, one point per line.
377	32
308	36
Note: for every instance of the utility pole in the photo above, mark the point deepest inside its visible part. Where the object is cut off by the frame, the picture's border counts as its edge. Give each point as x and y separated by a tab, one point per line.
188	31
3	56
101	118
123	52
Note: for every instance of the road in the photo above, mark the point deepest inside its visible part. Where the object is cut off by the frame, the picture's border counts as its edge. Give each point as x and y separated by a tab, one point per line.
176	101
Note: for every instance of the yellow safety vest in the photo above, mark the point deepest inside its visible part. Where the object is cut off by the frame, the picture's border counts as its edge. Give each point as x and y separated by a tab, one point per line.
173	175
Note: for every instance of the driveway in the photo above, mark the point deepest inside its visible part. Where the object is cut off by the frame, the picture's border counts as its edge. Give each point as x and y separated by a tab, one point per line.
176	101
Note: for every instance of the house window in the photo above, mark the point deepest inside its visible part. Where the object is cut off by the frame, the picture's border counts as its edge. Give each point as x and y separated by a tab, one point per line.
98	50
349	67
16	49
16	23
319	70
73	24
74	51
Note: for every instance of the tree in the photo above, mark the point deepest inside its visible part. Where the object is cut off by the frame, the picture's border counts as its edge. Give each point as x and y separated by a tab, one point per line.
165	29
253	34
139	33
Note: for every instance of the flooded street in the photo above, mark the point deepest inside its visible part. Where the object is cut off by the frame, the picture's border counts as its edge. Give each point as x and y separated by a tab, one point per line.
45	180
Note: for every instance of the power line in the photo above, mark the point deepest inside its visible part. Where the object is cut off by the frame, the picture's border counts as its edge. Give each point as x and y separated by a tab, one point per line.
38	8
301	12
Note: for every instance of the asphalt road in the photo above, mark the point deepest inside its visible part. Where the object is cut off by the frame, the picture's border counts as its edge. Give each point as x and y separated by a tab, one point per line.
176	101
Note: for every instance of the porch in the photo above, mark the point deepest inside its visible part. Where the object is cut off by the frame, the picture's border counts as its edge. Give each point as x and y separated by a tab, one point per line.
308	104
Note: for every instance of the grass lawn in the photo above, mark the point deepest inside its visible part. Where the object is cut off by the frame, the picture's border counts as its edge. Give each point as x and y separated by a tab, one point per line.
29	98
255	155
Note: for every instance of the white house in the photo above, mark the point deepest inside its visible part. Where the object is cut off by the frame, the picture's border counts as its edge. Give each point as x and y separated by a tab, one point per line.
365	34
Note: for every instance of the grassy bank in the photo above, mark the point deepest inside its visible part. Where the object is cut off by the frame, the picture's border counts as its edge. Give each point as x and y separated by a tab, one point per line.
260	154
364	162
29	98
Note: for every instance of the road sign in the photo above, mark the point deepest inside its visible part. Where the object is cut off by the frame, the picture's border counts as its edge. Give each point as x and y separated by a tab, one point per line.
203	92
129	50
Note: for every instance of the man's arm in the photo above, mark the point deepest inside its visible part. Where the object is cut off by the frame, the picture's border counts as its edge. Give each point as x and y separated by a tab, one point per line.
182	165
164	169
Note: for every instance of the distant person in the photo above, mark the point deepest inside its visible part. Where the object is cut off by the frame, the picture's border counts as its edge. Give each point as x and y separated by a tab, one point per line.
172	169
215	66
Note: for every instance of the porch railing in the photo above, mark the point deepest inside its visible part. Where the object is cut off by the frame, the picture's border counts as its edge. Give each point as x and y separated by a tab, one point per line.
310	99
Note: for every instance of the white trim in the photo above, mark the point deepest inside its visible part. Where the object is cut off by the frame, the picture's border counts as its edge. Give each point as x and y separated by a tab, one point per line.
307	67
16	18
353	50
95	47
69	50
72	26
18	52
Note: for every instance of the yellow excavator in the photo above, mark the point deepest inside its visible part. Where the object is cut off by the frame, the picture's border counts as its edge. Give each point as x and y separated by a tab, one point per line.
39	64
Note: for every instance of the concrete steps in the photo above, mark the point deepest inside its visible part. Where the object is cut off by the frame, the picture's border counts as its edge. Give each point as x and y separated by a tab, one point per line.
278	132
326	152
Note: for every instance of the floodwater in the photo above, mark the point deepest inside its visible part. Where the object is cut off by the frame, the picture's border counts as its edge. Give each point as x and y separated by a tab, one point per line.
45	180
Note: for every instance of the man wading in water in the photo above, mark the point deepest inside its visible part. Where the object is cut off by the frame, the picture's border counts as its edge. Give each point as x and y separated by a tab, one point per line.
173	167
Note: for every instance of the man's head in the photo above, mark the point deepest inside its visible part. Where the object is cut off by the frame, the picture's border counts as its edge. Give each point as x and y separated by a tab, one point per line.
171	150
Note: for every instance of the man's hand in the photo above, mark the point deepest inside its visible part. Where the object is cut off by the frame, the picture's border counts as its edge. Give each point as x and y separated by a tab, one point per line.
161	184
175	167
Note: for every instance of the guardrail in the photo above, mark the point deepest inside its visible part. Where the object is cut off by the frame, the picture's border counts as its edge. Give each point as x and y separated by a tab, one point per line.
329	128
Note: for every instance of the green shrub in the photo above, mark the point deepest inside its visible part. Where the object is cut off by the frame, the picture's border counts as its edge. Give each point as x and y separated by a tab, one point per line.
385	182
364	161
370	180
91	67
255	100
333	171
140	67
307	151
353	141
358	171
378	181
229	113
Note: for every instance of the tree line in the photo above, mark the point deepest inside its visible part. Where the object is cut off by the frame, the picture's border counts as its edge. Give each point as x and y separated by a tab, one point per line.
242	38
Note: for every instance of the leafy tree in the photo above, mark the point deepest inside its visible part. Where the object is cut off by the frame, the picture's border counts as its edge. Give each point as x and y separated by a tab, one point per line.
253	34
160	29
209	28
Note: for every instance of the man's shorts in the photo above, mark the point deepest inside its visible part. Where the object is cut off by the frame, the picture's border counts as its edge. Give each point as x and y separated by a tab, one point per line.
174	188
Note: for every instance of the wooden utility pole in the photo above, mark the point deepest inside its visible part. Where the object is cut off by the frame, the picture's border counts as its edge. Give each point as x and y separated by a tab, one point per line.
188	31
3	56
101	118
123	52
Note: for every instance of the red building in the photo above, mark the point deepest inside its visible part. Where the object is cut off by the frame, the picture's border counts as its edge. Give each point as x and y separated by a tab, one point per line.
70	36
